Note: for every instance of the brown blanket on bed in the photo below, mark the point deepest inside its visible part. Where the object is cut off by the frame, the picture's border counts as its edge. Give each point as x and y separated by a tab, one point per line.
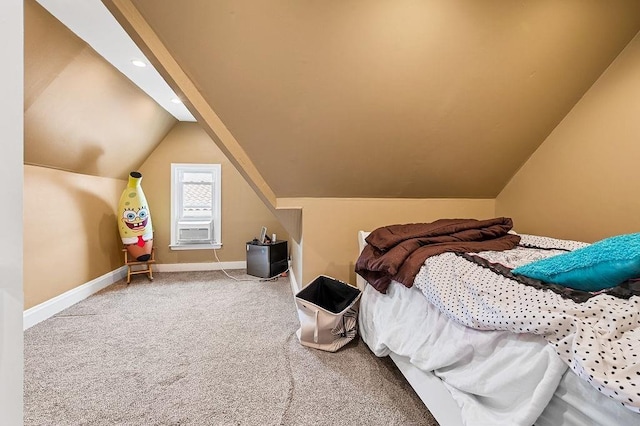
397	252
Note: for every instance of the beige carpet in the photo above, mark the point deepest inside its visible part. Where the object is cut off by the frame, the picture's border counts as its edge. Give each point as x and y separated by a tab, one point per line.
202	349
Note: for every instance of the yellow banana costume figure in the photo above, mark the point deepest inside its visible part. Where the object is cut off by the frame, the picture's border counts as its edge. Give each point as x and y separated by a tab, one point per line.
134	219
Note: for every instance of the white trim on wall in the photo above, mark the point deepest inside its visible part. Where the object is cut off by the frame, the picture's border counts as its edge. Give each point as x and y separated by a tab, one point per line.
210	222
192	267
44	310
12	176
292	280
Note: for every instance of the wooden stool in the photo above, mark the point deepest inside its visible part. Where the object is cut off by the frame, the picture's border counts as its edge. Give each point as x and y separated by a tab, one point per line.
139	267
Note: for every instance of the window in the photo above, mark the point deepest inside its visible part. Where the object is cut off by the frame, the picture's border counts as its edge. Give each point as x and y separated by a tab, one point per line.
195	206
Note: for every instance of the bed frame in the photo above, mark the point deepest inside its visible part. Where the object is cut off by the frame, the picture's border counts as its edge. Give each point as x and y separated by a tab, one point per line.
562	409
431	391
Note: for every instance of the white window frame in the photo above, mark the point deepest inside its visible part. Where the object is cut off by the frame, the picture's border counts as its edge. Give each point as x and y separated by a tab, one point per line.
176	206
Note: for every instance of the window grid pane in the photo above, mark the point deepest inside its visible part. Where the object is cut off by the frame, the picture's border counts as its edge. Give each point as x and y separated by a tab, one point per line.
197	177
197	199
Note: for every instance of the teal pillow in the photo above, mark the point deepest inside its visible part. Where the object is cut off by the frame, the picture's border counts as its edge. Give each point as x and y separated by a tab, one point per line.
604	264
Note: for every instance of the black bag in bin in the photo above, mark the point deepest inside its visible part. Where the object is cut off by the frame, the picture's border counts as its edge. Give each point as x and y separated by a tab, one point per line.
328	313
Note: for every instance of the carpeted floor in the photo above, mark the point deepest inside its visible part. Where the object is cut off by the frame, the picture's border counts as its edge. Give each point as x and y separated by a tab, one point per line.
199	348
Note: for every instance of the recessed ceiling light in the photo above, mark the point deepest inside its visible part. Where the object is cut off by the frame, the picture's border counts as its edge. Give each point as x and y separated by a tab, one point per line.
176	101
138	63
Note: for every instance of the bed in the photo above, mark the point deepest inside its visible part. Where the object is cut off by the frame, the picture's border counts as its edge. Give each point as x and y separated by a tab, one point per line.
481	374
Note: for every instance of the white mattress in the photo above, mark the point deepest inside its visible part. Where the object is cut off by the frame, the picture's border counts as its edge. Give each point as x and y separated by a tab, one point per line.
496	377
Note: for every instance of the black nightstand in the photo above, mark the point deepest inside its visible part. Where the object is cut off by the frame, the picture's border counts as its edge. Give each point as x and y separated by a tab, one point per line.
267	260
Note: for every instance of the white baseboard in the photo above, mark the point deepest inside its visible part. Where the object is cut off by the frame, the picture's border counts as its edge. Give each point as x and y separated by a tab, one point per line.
191	267
294	284
41	312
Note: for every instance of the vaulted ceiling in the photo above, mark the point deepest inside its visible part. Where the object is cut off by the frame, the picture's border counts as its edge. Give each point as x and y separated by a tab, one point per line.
80	113
376	98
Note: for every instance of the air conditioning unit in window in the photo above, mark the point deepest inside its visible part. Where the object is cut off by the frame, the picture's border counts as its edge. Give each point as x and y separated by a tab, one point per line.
195	232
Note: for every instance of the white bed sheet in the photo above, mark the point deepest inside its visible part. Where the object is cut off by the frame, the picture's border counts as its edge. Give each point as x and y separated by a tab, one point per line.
576	403
496	377
384	319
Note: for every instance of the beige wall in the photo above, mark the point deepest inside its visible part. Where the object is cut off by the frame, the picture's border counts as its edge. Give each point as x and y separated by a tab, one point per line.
436	98
80	113
70	227
243	213
582	183
330	227
85	127
70	231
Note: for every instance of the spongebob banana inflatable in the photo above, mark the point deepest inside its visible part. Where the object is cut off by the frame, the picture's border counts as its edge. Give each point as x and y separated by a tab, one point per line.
134	219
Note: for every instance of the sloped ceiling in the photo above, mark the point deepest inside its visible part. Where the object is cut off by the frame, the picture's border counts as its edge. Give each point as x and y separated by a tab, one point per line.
397	98
80	113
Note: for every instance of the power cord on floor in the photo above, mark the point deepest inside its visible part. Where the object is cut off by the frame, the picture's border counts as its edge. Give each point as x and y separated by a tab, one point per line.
215	252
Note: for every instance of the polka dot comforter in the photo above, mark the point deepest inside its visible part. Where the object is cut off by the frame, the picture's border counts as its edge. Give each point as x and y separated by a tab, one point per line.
598	338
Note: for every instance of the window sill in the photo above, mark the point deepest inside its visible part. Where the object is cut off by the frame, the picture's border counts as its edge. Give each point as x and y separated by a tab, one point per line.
208	246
